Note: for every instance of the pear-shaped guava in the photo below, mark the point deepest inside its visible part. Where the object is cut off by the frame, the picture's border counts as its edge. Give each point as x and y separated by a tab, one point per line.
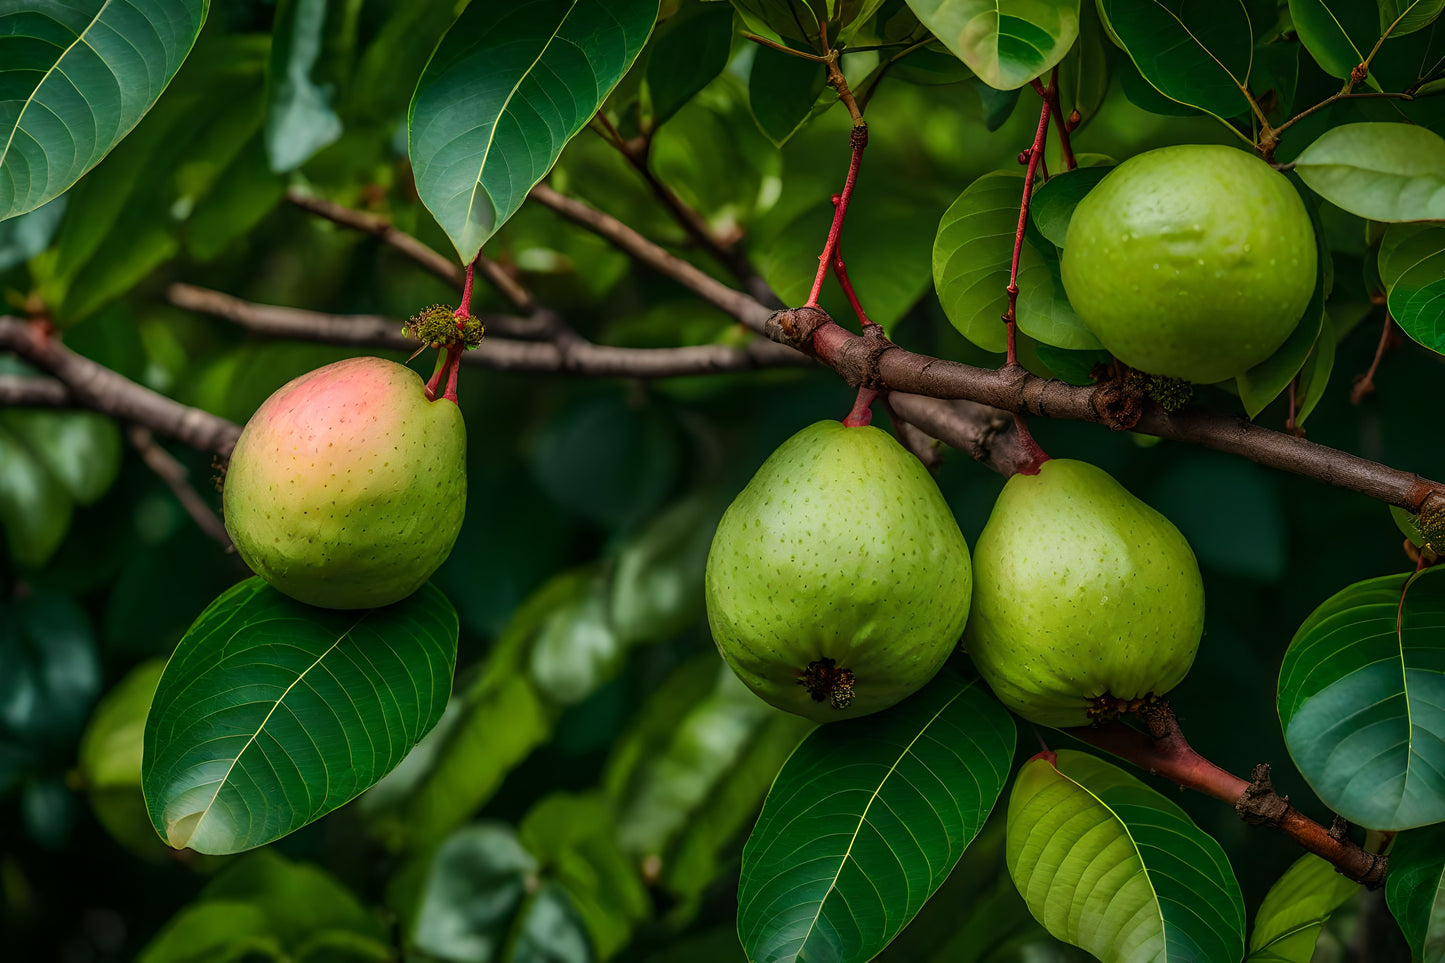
1193	261
1080	591
838	582
347	487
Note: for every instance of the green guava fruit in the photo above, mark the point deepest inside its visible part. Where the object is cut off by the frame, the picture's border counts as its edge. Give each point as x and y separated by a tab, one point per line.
1194	262
347	487
1080	591
838	582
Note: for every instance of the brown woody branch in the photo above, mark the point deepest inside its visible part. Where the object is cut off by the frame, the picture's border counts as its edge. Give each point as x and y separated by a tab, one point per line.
93	385
177	479
572	356
1164	751
21	391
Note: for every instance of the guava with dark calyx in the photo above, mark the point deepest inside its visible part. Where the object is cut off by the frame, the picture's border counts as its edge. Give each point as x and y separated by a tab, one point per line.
347	487
1086	601
1193	262
838	582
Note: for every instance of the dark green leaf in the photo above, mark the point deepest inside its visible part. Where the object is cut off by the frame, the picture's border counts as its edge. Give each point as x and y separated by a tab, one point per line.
1363	672
1006	43
35	509
474	886
1084	73
1422	315
1109	865
782	90
1384	172
998	105
690	49
867	819
1314	377
311	45
657	582
1415	887
1196	52
23	237
1043	308
1230	510
1263	383
972	255
1295	910
272	713
1400	17
1337	33
77	78
49	670
80	448
504	91
1053	203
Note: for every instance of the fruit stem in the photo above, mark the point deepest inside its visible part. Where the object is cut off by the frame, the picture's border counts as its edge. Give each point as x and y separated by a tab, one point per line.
1035	155
464	308
840	270
859	140
454	364
862	413
436	376
1035	456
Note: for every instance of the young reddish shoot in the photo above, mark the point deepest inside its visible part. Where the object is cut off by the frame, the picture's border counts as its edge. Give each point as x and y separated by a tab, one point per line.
862	413
825	260
464	309
449	360
1064	126
1035	155
840	270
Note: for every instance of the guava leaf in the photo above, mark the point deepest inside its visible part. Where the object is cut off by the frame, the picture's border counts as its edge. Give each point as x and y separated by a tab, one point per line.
504	91
1195	52
1043	309
1295	909
1337	33
1053	203
272	713
77	78
1314	377
867	819
972	254
25	236
35	508
688	51
311	44
1406	16
1358	695
782	90
1263	383
1109	865
1383	172
1415	890
1007	43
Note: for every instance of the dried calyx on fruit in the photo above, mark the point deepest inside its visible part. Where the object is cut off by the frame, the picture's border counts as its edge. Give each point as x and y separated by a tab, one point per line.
1086	601
347	487
838	582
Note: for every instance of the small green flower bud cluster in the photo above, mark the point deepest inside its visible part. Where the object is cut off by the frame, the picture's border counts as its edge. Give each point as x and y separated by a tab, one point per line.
1171	394
439	326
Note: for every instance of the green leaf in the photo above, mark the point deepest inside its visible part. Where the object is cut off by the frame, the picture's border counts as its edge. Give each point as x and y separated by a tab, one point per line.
23	237
885	245
1357	692
1383	172
504	91
972	255
474	886
1084	73
110	749
1111	866
35	508
1400	17
1337	33
49	670
1053	203
211	931
1195	52
1043	309
657	584
689	50
1007	43
1412	264
311	45
77	78
1263	383
272	713
1295	910
1422	315
867	819
1415	890
80	448
782	90
1314	377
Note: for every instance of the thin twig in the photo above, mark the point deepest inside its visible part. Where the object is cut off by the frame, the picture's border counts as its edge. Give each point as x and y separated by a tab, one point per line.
1365	383
177	479
1036	154
858	141
28	391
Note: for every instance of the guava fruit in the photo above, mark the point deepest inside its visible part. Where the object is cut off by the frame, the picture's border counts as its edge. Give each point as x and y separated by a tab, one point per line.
838	582
1194	262
1081	591
347	487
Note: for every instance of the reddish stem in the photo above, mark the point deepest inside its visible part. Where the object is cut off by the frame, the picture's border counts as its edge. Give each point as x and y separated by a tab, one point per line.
840	270
1036	154
454	364
1365	383
825	260
436	376
464	309
862	413
1061	124
1035	456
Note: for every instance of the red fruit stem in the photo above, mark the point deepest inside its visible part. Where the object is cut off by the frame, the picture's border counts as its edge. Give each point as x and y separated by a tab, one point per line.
453	365
840	270
1035	456
825	260
1061	123
1164	751
862	413
1036	154
436	376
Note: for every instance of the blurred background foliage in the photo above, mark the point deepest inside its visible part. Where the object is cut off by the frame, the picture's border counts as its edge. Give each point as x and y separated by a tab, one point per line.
588	790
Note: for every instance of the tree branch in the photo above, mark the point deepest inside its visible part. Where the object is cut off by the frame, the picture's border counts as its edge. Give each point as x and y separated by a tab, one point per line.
1164	751
177	479
20	391
575	356
93	385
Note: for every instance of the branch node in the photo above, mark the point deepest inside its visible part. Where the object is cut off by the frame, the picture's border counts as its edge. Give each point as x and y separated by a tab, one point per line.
1116	405
1259	804
795	327
1339	828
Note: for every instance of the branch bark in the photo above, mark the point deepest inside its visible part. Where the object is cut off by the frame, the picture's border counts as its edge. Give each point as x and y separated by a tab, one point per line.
572	356
93	385
20	391
177	479
1164	751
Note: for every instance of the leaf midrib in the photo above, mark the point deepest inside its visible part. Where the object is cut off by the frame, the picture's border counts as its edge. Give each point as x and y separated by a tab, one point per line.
20	117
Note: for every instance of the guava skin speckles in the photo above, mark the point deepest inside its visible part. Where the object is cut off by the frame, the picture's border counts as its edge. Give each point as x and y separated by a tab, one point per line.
841	547
347	487
1080	589
1194	262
